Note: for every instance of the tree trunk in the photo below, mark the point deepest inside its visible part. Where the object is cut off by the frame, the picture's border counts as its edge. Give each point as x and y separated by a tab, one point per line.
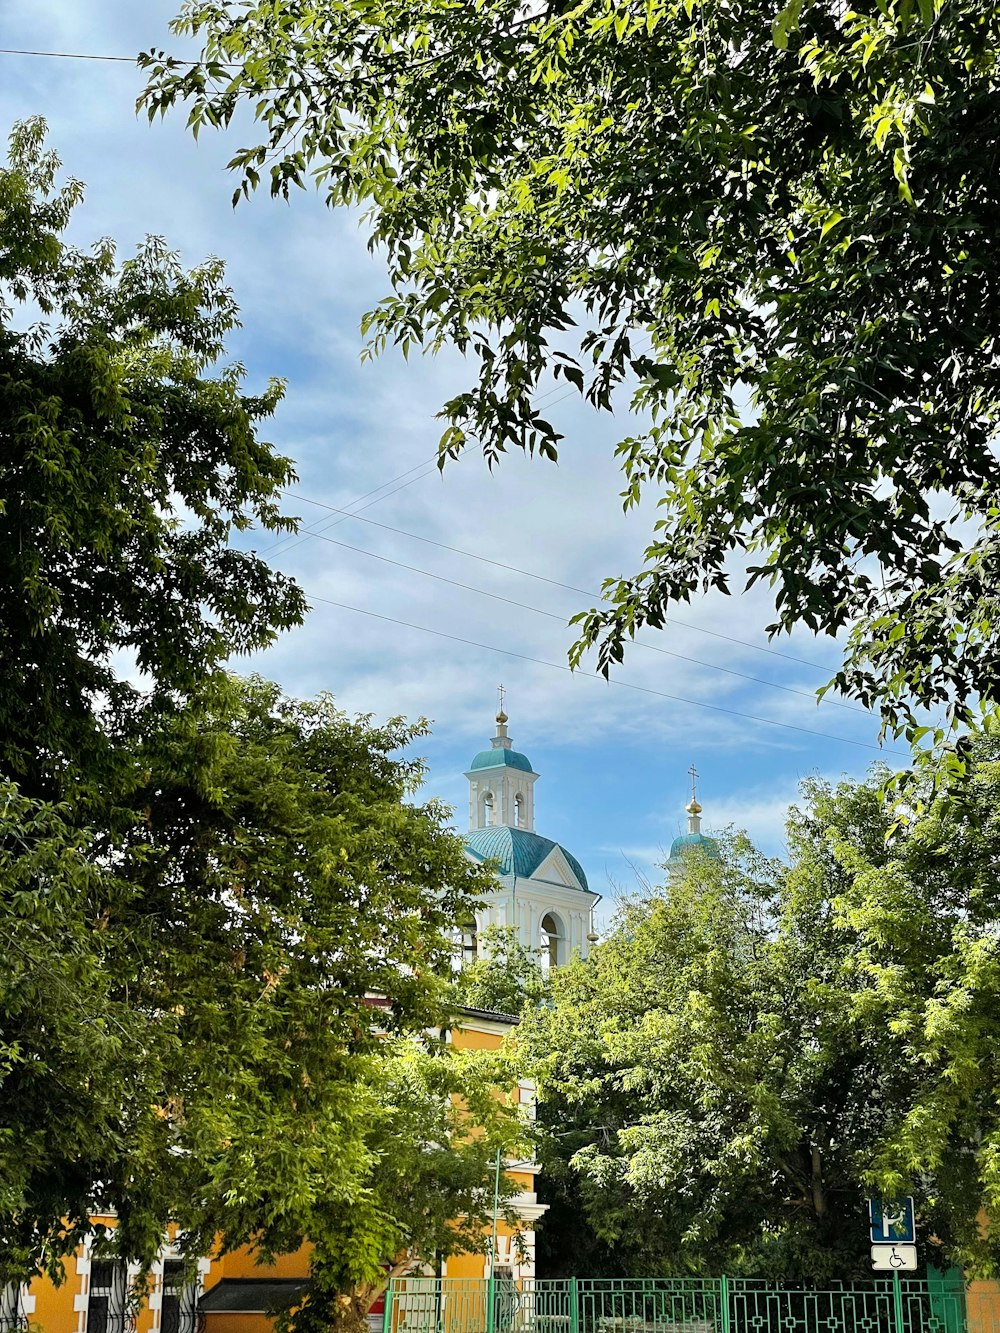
818	1192
326	1310
349	1314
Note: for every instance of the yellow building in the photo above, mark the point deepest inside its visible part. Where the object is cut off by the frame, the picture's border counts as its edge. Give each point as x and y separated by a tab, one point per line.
233	1294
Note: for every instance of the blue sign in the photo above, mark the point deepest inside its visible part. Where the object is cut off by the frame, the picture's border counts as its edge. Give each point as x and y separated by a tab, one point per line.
892	1221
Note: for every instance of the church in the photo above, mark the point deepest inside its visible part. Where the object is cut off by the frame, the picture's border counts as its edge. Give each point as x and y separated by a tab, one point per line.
543	891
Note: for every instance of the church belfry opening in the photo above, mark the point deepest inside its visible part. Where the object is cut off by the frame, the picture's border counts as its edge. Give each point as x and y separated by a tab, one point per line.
550	941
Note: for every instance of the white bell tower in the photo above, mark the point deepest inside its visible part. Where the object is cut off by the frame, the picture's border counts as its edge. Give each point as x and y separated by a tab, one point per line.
543	891
501	785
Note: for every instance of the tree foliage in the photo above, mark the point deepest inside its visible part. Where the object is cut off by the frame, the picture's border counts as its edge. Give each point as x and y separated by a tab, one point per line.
506	978
124	468
191	1030
435	1127
225	915
776	224
757	1047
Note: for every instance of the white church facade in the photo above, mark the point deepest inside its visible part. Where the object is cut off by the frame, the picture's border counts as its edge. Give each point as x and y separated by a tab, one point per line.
543	890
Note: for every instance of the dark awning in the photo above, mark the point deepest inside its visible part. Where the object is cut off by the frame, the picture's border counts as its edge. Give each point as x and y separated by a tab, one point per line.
251	1295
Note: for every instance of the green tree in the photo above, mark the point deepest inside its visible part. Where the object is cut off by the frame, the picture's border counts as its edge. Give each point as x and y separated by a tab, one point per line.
429	1188
757	1047
776	224
506	978
204	887
125	466
70	1049
211	1018
679	1069
918	906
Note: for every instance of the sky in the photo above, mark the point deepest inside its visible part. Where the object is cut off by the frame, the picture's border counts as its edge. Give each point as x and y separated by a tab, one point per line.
613	758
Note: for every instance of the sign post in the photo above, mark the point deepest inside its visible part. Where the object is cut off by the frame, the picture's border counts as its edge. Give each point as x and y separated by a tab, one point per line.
897	1300
893	1232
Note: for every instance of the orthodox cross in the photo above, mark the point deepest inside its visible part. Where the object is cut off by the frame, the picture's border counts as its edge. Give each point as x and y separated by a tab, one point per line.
694	782
500	696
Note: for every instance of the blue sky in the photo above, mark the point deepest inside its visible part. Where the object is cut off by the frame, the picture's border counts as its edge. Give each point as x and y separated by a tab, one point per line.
613	759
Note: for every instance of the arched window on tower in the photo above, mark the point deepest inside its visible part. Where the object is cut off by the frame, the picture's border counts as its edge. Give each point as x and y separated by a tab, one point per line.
487	809
551	938
519	811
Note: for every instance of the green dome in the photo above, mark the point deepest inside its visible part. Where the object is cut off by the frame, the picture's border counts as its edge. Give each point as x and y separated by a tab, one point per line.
517	851
500	758
679	845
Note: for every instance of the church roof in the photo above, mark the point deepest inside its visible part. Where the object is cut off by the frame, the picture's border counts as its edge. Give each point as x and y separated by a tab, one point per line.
685	840
500	758
517	851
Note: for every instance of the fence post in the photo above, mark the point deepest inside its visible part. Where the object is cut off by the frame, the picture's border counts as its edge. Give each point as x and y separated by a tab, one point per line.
897	1303
574	1307
387	1308
724	1303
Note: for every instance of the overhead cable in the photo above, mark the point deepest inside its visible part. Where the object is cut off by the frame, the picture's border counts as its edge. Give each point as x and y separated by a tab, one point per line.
552	615
555	583
612	680
118	60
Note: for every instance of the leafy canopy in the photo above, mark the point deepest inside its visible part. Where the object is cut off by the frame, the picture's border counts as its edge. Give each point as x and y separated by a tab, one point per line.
189	1033
124	468
775	224
202	883
506	977
757	1047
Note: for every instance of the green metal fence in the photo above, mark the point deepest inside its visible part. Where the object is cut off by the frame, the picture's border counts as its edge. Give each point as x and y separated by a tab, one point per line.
503	1304
649	1305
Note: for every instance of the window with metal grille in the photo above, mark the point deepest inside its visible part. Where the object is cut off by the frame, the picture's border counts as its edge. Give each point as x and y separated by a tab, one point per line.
106	1301
12	1318
179	1300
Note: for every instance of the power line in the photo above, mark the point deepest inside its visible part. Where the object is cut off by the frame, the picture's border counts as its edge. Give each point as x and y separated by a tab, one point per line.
593	675
66	55
220	64
555	583
126	60
296	539
552	615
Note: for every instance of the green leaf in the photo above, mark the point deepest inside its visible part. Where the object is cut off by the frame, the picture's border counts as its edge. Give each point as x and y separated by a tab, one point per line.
786	23
830	222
